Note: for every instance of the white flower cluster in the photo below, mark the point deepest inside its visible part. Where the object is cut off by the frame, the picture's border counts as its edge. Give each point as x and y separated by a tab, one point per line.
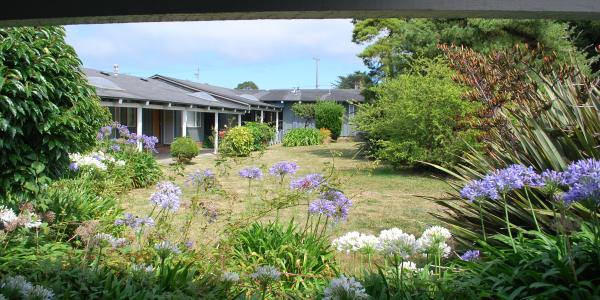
345	288
7	215
26	219
433	241
113	241
230	277
142	268
394	241
97	160
18	285
355	241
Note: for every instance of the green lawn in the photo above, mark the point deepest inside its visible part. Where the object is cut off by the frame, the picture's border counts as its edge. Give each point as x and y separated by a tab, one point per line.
382	198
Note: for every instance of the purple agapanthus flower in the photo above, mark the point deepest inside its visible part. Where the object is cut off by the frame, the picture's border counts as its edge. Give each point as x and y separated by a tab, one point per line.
167	196
477	190
576	171
331	203
149	142
283	168
115	148
251	173
322	207
587	189
73	166
132	139
470	255
551	177
341	202
507	179
134	222
307	183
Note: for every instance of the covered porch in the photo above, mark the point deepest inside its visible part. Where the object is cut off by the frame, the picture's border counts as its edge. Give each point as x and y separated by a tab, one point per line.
167	122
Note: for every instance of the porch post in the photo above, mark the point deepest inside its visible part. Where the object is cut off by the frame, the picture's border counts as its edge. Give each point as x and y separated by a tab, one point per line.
262	115
184	122
240	120
216	133
277	122
138	130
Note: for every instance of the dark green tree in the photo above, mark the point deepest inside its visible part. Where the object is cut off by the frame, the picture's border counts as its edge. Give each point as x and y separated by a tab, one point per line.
47	108
305	111
393	43
247	85
330	115
586	36
358	79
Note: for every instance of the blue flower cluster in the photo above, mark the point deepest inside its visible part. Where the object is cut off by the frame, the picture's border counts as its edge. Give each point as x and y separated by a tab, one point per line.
307	183
332	204
148	142
470	255
251	173
199	178
283	168
167	196
580	181
134	222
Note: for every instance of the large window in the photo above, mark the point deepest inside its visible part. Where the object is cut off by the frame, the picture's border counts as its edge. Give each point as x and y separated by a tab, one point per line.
194	119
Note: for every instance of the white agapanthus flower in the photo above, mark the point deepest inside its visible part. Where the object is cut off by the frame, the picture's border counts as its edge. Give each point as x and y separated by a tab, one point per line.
7	215
97	160
433	240
142	268
345	288
230	277
396	242
18	284
355	241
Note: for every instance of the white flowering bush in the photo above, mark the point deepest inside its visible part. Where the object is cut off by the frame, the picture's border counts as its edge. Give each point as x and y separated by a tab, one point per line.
97	160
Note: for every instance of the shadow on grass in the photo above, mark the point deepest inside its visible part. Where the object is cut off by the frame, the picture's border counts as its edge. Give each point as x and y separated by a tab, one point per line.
345	153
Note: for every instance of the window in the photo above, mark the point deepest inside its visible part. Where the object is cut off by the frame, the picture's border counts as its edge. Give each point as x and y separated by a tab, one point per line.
194	119
128	117
351	109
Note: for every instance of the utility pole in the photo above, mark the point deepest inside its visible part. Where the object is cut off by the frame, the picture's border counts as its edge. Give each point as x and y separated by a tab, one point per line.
197	74
317	72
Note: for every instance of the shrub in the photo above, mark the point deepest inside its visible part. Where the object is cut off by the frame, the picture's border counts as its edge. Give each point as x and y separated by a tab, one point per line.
141	167
238	141
326	134
302	137
305	111
262	133
287	248
416	118
49	110
76	200
184	149
330	115
552	121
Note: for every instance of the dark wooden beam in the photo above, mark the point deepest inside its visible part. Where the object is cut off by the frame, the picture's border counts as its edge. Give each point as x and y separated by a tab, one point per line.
20	13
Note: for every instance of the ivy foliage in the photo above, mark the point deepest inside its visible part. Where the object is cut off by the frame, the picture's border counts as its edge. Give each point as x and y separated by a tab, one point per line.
416	117
47	108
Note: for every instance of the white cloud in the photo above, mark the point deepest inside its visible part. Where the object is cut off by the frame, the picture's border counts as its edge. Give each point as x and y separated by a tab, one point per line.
253	41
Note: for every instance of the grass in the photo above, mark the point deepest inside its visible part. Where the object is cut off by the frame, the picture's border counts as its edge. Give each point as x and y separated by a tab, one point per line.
382	197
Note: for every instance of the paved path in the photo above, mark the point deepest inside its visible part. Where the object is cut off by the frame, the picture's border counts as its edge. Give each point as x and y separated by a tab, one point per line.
165	158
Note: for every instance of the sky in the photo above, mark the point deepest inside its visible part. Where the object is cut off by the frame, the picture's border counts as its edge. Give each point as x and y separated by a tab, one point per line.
272	53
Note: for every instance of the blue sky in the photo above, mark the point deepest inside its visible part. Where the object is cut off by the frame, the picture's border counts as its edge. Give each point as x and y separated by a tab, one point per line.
272	53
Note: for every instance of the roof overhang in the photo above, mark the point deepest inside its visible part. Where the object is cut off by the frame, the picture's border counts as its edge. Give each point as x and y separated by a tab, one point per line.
120	11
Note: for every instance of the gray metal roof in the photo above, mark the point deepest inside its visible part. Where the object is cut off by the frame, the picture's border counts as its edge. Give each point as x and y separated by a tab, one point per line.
308	95
225	93
121	86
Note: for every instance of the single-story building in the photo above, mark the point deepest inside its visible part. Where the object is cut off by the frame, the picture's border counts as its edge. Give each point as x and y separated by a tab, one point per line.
285	98
168	107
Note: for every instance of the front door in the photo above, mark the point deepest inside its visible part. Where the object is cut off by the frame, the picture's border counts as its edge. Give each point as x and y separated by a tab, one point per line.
156	120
